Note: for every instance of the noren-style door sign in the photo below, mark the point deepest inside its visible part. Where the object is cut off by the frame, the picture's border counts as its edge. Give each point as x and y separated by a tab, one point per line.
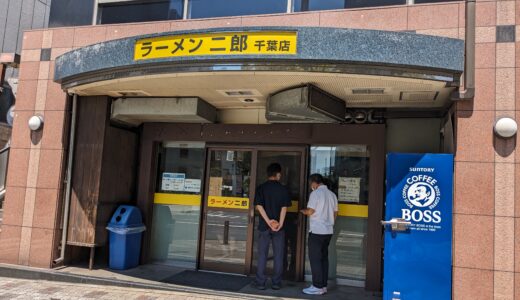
418	227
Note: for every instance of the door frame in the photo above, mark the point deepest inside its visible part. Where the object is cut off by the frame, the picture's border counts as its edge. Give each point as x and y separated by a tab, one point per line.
248	266
373	135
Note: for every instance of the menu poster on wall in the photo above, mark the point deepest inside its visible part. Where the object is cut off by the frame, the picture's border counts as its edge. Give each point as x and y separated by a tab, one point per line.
349	189
192	185
215	186
173	182
230	155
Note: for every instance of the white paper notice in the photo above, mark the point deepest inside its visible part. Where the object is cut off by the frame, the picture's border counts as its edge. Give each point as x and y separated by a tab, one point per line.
192	185
349	188
173	182
230	155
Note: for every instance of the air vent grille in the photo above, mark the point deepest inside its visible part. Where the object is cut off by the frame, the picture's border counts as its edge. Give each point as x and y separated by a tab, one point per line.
368	99
129	93
240	93
368	91
418	96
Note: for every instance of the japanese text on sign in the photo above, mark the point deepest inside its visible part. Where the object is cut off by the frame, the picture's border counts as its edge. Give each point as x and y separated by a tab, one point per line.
225	43
228	202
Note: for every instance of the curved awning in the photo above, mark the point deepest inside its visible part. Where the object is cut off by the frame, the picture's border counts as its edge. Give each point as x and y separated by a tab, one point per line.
408	63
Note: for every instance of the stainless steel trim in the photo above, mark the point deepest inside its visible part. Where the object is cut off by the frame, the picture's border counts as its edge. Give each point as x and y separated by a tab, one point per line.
95	13
257	66
185	9
290	7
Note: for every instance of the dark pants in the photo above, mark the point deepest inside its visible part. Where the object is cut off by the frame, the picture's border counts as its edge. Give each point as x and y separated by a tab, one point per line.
319	258
264	239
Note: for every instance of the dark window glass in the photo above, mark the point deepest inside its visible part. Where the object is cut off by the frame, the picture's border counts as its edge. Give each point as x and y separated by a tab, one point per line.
223	8
306	5
140	12
71	13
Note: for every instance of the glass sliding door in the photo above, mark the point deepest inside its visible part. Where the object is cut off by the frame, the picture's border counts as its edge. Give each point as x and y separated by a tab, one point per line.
227	220
292	163
177	202
345	169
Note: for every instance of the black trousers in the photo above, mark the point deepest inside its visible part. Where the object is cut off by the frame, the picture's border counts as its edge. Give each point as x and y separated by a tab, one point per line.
319	258
278	240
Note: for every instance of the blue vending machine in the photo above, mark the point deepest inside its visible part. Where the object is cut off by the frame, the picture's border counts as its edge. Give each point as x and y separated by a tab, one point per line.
418	227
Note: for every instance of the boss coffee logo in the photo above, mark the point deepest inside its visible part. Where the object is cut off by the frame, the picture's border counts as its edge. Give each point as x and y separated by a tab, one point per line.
421	194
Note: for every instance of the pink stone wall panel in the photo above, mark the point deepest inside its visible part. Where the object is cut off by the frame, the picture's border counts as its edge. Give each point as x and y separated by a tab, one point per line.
472	284
470	200
205	23
433	16
393	19
10	241
473	238
14	204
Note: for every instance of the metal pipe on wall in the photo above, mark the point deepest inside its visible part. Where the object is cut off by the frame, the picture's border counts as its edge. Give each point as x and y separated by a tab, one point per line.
68	182
95	12
469	59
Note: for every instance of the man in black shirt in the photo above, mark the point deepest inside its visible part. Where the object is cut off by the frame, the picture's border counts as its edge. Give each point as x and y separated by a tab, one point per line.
271	200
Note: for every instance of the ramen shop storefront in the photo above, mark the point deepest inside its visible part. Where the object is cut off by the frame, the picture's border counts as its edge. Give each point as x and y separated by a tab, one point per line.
203	215
212	108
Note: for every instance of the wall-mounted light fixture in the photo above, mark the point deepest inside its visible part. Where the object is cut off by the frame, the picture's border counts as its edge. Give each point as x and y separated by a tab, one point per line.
506	127
35	123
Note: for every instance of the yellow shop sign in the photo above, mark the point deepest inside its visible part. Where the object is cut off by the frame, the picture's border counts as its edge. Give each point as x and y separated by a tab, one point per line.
223	43
228	202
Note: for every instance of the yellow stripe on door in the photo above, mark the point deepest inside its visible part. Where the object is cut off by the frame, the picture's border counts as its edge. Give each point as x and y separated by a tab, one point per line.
353	210
294	207
177	199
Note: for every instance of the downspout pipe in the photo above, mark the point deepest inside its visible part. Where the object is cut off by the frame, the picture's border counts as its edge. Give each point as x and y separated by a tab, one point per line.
68	182
469	58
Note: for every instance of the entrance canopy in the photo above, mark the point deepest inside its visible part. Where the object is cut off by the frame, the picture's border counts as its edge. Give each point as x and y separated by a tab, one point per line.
241	67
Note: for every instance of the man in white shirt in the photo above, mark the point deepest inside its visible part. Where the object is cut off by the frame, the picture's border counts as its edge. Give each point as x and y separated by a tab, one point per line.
322	211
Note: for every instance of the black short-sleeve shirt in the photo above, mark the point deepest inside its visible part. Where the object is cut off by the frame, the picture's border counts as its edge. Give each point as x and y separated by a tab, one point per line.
272	195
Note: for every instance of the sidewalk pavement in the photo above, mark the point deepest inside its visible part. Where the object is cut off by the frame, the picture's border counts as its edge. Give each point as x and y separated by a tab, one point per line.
11	288
23	289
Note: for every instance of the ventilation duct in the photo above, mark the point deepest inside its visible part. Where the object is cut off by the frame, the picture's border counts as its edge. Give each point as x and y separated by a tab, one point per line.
304	104
134	111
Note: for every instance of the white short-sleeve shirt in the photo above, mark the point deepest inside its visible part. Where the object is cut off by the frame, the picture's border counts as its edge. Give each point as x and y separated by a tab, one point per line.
325	204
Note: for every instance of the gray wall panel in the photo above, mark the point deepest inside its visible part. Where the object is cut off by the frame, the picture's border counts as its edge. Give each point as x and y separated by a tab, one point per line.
12	25
26	21
39	15
4	8
17	16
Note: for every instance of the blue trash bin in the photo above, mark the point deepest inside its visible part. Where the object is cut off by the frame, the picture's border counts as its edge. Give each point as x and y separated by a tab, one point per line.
125	232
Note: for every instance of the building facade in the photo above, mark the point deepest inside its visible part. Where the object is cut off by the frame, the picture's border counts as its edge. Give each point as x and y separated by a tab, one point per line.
178	110
15	17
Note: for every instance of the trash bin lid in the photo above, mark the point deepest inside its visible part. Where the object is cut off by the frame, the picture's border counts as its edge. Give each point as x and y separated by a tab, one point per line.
126	216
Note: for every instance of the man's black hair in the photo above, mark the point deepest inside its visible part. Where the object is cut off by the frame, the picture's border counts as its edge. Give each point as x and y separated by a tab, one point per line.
273	169
316	178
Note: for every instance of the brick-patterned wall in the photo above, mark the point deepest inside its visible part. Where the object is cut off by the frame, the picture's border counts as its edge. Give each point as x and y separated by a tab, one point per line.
485	176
